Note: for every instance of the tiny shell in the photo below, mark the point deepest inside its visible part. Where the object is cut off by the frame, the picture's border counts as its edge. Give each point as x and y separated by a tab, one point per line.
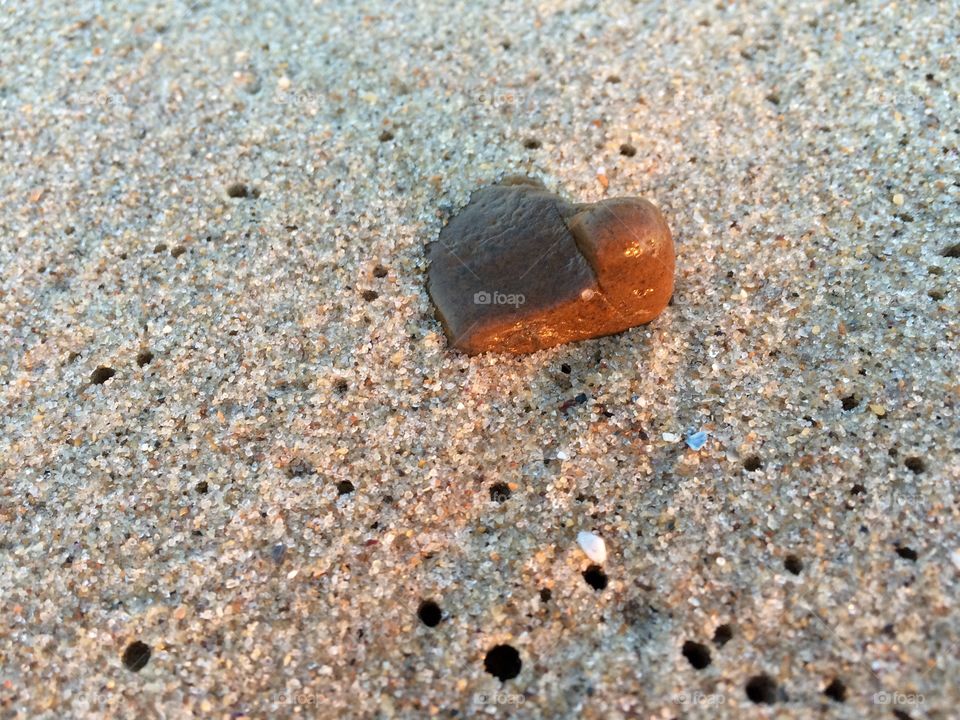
593	546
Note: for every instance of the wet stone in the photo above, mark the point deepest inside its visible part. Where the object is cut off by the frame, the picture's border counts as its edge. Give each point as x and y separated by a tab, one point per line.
519	269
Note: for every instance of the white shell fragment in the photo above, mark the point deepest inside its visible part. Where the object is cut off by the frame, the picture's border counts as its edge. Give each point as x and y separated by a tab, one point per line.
593	546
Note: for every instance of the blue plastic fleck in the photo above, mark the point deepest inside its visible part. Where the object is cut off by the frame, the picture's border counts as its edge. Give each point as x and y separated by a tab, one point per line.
697	440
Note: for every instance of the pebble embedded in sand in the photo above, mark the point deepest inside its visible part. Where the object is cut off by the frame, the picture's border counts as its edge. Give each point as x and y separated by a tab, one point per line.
519	269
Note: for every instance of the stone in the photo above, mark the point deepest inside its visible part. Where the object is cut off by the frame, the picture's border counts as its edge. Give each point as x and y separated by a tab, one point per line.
519	269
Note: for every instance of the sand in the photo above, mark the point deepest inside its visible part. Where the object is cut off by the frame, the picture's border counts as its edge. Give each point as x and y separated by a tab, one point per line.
287	460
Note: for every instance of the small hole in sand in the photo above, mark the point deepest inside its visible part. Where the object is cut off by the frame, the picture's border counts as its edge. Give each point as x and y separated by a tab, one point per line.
793	564
503	662
836	690
386	136
722	635
752	463
202	487
379	271
345	487
499	492
762	689
628	150
532	144
953	251
915	464
429	613
341	386
369	295
144	357
595	577
545	594
907	553
849	402
178	251
613	79
697	653
136	656
238	190
101	375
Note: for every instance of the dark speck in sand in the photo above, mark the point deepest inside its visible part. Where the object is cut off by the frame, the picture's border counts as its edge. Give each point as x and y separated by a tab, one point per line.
239	190
101	375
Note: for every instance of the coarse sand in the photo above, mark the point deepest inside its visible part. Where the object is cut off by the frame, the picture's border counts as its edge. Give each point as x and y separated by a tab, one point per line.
245	477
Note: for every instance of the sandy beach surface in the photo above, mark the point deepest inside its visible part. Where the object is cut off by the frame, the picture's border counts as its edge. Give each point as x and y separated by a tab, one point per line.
238	457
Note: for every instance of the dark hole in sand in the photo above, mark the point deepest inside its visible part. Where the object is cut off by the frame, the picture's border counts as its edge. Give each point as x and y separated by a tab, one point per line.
752	463
722	635
595	577
762	689
907	553
503	662
429	613
136	656
849	402
101	375
499	492
238	190
697	654
793	564
836	690
915	464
